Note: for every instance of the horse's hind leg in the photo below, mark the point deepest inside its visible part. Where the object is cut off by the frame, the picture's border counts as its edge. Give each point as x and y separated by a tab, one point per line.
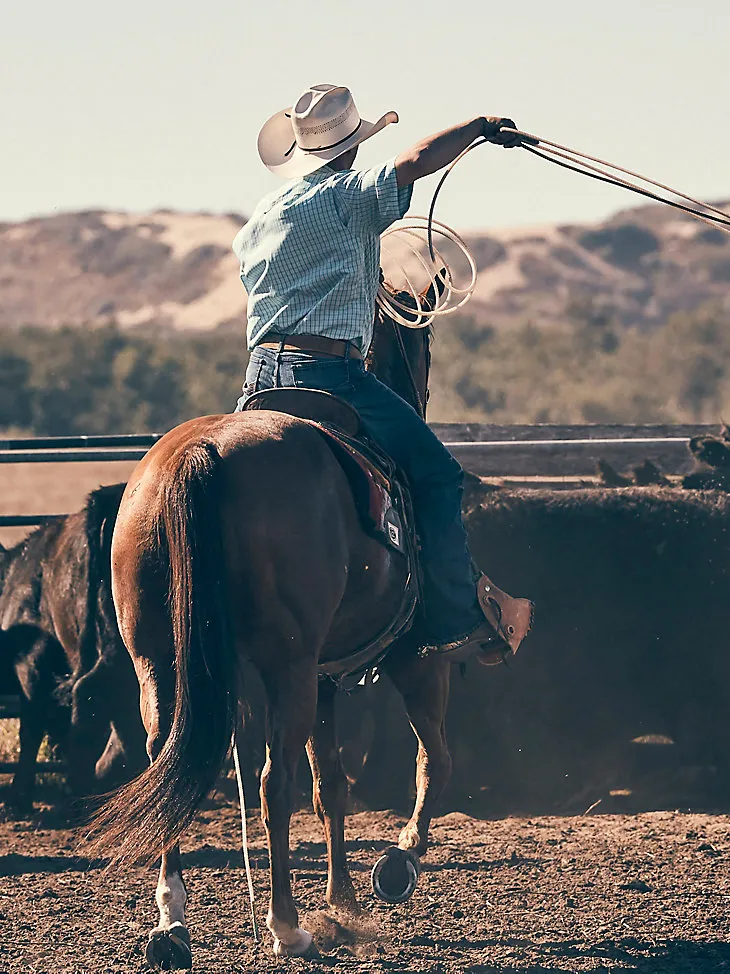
168	948
424	686
330	798
292	693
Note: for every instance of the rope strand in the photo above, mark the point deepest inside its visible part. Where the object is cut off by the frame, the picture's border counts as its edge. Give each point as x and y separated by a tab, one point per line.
450	298
244	838
535	139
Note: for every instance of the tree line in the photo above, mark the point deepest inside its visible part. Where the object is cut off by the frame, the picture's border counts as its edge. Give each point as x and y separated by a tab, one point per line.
589	369
112	380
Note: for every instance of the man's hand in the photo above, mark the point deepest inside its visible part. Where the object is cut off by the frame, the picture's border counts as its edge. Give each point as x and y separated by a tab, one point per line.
439	150
492	131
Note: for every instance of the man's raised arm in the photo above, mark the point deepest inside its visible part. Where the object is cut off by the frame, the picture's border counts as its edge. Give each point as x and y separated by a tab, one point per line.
436	151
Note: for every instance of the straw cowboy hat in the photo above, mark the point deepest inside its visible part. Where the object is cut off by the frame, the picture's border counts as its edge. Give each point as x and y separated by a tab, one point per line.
322	125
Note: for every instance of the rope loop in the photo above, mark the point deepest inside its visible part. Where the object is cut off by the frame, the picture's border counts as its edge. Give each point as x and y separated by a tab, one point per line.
414	231
416	234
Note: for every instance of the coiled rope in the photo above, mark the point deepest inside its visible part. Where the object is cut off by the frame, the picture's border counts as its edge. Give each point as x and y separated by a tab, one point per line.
448	298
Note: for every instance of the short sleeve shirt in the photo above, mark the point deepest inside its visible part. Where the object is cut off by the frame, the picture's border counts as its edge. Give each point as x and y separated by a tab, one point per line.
310	254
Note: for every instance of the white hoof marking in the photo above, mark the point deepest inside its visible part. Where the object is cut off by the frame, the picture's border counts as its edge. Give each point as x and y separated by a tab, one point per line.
170	897
298	943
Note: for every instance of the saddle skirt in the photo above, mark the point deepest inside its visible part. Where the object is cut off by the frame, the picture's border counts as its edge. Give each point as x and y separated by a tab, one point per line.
381	497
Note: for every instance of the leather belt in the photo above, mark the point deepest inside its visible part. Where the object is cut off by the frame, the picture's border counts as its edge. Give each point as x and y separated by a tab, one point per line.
337	347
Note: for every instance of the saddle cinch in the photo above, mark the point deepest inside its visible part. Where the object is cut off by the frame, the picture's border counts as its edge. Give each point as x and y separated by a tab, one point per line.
381	498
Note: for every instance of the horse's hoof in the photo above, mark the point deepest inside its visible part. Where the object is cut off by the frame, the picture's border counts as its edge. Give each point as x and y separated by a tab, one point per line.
341	896
169	950
303	946
349	907
395	875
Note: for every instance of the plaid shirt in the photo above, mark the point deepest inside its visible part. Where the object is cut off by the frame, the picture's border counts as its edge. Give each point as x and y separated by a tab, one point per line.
310	253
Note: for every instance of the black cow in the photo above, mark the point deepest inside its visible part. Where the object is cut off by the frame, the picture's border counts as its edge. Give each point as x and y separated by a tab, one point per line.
60	649
711	467
711	462
623	687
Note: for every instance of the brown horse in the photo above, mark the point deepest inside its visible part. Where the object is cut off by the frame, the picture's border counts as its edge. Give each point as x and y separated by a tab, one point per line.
238	537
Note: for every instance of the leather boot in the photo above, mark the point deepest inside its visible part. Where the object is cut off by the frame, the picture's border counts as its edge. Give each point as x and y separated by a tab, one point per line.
508	621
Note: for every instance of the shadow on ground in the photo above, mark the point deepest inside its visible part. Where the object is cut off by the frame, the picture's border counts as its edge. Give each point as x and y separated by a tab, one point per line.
15	864
625	954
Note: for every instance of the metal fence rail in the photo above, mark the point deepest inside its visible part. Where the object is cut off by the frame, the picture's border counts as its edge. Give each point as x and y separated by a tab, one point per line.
485	449
69	456
26	520
79	442
569	451
489	450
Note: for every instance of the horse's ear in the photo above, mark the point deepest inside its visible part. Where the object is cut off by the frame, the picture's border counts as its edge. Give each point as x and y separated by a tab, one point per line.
436	288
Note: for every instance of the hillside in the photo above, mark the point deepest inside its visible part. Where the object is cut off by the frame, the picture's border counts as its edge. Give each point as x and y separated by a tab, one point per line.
77	268
177	269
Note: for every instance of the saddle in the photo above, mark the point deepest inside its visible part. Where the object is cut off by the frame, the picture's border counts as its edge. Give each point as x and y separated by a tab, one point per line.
382	500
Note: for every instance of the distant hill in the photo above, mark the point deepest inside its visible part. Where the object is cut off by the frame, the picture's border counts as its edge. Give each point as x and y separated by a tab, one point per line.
77	268
177	269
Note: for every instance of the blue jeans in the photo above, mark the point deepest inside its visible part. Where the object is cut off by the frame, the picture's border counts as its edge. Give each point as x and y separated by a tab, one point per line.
450	607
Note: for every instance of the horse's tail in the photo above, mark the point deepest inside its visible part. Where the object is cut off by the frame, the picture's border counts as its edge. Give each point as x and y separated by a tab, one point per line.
151	813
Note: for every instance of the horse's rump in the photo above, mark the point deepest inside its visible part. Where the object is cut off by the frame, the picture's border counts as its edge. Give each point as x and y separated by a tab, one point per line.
250	522
177	538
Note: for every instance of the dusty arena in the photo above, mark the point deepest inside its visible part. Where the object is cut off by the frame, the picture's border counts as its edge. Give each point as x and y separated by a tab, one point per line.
585	736
645	893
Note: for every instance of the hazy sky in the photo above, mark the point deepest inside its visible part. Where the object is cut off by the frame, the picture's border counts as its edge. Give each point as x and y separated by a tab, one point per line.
137	105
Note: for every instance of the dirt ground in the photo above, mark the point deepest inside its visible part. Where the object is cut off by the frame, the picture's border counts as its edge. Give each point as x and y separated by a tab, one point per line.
52	488
644	893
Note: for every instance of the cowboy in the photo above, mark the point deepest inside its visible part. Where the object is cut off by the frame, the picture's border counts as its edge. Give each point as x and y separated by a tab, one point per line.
310	257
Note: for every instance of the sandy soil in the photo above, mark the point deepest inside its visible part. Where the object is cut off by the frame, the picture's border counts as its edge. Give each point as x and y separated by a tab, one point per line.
642	893
52	488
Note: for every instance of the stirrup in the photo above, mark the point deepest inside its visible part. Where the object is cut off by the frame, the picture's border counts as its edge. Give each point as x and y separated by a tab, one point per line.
510	618
483	641
508	621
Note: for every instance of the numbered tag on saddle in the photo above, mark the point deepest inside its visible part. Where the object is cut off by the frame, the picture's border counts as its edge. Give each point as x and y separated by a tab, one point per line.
393	530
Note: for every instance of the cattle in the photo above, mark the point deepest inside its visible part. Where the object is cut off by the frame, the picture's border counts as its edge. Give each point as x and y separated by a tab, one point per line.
60	650
711	467
711	462
620	695
622	692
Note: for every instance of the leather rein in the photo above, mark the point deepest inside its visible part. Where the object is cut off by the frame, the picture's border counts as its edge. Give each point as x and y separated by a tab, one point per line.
419	401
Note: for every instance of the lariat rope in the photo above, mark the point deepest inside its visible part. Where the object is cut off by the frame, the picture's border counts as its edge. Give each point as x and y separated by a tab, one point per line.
416	312
413	232
244	837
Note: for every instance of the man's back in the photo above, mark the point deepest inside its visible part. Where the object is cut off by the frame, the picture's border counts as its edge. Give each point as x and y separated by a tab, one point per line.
310	253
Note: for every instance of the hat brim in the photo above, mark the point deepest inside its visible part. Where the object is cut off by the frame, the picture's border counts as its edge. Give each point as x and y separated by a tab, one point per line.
279	153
